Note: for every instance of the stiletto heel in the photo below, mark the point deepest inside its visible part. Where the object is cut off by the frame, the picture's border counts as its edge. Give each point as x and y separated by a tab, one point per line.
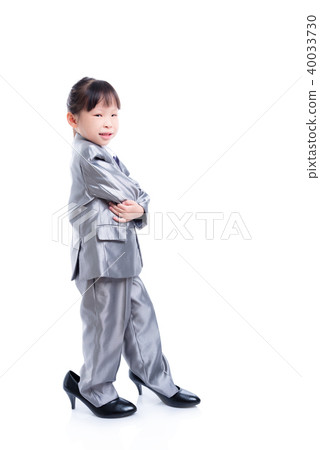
139	388
119	407
72	400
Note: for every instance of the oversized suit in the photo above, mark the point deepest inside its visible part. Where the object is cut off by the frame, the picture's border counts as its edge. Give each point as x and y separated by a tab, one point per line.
116	310
111	247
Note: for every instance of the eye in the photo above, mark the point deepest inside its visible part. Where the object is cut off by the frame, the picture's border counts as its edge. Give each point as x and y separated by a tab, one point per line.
114	114
98	115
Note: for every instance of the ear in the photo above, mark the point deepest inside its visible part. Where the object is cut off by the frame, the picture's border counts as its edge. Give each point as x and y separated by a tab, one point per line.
72	120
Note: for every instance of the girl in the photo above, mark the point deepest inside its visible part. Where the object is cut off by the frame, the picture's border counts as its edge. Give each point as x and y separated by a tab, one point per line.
118	317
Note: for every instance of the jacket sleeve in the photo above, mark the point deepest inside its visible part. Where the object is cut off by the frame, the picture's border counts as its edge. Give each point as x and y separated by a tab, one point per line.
103	180
143	200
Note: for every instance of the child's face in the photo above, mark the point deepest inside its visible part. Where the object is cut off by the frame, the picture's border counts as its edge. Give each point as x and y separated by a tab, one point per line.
99	125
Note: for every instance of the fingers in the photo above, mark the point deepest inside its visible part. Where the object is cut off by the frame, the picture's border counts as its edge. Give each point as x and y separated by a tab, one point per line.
118	207
129	202
125	213
117	210
114	209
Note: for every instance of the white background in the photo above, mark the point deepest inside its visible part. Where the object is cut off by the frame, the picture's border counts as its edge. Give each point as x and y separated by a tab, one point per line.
214	105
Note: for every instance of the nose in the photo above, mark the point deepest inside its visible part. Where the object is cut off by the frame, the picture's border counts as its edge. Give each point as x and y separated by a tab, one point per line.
107	122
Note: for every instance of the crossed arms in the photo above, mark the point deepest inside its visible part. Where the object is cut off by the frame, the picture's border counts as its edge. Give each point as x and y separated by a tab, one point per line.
103	180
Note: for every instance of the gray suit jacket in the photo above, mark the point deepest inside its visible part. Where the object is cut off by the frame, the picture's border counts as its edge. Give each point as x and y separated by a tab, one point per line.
100	245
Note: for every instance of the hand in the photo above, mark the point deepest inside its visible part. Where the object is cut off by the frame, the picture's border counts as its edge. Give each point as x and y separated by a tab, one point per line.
127	210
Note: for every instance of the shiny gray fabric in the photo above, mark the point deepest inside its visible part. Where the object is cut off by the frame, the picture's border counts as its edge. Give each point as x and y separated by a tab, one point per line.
118	316
100	245
116	311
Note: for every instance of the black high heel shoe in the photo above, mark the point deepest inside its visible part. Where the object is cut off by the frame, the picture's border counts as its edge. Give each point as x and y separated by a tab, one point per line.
182	399
118	407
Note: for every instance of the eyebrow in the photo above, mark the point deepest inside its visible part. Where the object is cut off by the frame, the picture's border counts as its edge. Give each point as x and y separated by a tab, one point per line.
102	109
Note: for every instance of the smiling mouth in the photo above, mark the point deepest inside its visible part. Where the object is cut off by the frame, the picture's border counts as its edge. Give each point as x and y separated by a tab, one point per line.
105	134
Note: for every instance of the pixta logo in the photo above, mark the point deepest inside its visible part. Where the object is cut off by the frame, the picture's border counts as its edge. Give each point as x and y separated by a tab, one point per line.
61	227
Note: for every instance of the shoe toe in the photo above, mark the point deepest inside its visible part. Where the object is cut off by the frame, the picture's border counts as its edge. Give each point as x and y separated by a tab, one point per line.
118	407
186	398
126	406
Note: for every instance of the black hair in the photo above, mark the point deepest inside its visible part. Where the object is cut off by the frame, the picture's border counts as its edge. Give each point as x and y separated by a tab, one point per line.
87	93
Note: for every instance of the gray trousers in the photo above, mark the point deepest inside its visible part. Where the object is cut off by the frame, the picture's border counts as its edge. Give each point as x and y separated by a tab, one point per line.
118	317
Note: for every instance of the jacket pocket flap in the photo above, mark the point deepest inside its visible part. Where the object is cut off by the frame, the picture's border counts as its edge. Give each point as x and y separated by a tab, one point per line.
108	232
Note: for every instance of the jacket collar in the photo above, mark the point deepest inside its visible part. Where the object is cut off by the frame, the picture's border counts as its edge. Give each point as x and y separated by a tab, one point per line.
78	137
